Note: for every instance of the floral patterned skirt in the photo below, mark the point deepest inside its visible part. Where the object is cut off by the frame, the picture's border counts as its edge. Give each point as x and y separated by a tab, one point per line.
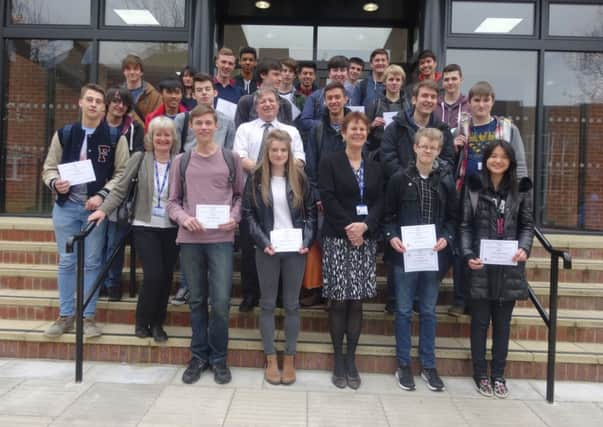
349	272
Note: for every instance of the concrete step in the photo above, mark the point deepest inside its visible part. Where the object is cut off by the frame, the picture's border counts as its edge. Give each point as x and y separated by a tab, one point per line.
573	295
572	326
376	353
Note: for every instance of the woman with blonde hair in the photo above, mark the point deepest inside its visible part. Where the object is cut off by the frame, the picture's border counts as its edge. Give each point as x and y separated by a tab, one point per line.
154	232
278	197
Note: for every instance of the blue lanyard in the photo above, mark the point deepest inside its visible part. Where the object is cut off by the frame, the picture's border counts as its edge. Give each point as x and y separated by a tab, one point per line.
359	174
161	187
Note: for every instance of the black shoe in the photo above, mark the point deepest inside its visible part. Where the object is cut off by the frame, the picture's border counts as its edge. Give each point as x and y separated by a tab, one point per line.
221	373
159	334
247	304
390	307
143	332
314	298
351	374
415	307
339	377
433	380
405	379
192	373
114	293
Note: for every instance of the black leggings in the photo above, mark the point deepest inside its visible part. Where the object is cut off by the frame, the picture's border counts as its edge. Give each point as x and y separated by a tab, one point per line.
345	318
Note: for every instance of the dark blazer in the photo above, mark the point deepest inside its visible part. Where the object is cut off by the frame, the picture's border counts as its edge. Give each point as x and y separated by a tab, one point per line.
261	217
339	194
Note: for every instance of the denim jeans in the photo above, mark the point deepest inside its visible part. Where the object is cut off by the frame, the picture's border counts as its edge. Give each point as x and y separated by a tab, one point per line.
68	220
425	286
115	232
210	330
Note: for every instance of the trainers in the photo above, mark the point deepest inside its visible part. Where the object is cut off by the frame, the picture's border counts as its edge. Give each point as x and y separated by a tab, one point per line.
483	386
456	310
60	326
221	373
114	293
433	380
181	297
390	307
500	388
193	370
405	379
90	328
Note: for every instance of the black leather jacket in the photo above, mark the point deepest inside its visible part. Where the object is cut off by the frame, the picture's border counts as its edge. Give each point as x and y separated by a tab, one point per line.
504	283
261	217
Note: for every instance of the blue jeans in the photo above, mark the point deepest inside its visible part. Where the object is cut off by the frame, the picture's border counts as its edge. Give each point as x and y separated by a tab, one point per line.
210	331
68	220
425	286
115	232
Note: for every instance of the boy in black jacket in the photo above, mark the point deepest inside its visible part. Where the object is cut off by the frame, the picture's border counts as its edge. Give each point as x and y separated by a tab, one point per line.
423	193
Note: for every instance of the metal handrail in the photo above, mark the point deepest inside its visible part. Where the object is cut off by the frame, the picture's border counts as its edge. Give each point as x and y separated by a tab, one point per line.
81	302
550	318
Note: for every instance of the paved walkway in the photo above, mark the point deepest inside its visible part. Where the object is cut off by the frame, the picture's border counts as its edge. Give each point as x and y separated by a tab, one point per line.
42	393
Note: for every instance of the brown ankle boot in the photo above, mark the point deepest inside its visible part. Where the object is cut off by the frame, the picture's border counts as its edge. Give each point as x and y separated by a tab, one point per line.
288	370
272	374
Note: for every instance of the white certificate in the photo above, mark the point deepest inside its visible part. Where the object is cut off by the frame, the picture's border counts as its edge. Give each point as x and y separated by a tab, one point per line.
388	116
76	173
294	111
419	236
358	108
421	260
286	239
211	216
227	108
497	252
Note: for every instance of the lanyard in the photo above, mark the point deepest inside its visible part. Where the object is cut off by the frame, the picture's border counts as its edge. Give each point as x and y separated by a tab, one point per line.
359	174
161	187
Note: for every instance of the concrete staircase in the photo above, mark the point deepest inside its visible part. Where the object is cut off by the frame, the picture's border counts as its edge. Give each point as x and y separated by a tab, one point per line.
29	302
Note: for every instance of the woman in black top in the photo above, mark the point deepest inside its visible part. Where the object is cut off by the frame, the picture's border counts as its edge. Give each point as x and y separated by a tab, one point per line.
495	207
351	191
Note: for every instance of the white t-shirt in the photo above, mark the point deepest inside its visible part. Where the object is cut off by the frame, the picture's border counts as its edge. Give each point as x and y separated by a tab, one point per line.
280	206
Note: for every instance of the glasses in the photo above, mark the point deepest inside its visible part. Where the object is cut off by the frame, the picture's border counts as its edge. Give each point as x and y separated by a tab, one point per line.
427	148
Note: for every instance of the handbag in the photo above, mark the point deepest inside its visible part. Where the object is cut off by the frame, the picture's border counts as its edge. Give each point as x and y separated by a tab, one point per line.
124	214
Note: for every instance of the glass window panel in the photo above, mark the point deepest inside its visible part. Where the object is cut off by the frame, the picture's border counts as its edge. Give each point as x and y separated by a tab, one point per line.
360	42
573	135
42	90
153	13
492	18
160	60
274	41
55	12
580	20
513	75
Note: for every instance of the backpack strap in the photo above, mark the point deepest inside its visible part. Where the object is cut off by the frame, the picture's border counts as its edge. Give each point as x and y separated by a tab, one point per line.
230	162
114	134
184	160
473	196
184	131
363	85
65	134
318	136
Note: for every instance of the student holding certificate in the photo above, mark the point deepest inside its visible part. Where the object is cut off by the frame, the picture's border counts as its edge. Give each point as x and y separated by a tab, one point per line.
351	191
154	233
495	207
420	220
281	212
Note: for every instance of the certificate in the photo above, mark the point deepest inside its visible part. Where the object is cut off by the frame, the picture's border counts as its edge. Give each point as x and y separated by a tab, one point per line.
421	260
227	108
357	108
294	111
388	116
211	216
419	236
76	173
286	239
498	252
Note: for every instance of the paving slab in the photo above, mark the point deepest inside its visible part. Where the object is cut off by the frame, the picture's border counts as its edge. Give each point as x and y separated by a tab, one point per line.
129	374
566	391
40	397
241	378
39	369
103	405
420	411
568	414
464	387
189	406
7	384
267	408
24	421
345	409
493	412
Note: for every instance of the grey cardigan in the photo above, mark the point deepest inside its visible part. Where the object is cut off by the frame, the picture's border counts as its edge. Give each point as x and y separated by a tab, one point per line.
146	187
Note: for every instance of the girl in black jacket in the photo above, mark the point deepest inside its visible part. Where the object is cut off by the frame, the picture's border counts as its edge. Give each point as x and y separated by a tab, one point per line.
495	207
278	196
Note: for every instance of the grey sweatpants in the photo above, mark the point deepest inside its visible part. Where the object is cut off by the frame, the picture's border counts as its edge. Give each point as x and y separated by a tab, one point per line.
290	266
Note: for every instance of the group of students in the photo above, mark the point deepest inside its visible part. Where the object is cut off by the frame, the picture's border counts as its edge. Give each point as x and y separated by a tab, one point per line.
345	180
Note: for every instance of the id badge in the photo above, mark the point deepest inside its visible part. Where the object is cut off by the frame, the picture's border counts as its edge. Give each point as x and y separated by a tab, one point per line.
361	210
479	166
159	211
